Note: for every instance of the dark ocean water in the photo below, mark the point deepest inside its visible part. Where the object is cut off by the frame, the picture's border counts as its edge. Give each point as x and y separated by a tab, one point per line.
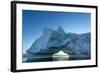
44	58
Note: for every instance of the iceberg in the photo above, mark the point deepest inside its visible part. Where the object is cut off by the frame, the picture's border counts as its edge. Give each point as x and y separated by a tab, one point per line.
77	46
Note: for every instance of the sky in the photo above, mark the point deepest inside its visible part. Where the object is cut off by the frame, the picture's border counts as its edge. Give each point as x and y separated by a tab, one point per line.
33	23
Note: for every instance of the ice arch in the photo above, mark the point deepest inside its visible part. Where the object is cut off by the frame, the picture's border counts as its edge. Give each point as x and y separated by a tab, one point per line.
60	56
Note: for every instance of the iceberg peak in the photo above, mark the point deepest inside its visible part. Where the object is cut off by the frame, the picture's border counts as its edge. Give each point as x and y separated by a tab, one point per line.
60	29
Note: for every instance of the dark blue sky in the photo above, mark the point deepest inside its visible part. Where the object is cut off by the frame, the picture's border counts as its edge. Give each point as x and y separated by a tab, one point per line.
35	21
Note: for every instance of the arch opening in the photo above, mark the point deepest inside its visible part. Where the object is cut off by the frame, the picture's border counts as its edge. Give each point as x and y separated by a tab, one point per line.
60	56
